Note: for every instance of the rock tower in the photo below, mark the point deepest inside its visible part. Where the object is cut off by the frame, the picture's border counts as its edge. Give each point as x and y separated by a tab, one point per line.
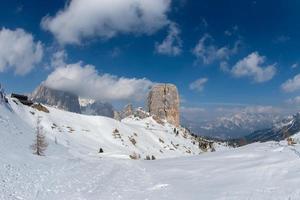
163	102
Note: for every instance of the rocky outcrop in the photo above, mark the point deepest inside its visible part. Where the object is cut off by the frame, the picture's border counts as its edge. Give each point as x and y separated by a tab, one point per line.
3	98
163	102
140	113
98	108
128	111
59	99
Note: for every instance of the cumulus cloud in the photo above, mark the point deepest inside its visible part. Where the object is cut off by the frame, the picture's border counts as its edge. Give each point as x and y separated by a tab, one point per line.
86	82
198	85
207	52
291	85
105	19
19	51
251	66
172	44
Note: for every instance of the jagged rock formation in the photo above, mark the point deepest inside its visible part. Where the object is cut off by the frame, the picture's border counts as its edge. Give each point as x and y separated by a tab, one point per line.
140	113
59	99
128	111
97	108
3	98
163	102
117	116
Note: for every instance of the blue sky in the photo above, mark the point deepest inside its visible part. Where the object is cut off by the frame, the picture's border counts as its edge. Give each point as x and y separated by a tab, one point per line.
256	42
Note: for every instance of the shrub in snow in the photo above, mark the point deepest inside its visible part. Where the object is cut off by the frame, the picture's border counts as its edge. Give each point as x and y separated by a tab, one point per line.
132	140
291	141
116	133
135	156
161	141
40	145
40	107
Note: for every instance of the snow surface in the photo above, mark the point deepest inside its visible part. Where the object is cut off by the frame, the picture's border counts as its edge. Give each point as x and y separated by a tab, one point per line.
73	170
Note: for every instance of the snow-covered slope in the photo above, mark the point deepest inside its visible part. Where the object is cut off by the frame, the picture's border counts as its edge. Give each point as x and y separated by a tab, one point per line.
72	168
85	135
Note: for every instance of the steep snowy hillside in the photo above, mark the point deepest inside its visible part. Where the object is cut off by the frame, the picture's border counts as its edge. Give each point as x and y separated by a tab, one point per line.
85	135
73	168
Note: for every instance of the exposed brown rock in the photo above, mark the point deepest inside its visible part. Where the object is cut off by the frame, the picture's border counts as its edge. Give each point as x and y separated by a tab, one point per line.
163	102
40	107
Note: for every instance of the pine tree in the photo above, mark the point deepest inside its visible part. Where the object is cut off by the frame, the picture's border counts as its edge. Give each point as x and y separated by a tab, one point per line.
40	144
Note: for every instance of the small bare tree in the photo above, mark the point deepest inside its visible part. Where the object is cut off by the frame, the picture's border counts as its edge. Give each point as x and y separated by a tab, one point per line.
40	143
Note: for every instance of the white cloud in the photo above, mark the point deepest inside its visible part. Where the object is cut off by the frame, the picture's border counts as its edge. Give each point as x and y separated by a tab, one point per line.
198	85
208	53
82	19
294	101
58	59
86	82
224	66
172	44
251	66
291	85
19	51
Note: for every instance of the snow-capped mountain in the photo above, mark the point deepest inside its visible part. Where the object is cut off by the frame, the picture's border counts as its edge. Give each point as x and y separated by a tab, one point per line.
98	108
71	102
279	131
235	125
59	99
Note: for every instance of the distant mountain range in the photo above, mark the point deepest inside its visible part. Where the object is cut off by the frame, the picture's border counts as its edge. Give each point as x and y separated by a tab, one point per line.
233	126
279	131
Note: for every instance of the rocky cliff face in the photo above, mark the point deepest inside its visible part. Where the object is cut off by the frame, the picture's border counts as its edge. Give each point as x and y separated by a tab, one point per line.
98	108
59	99
163	102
